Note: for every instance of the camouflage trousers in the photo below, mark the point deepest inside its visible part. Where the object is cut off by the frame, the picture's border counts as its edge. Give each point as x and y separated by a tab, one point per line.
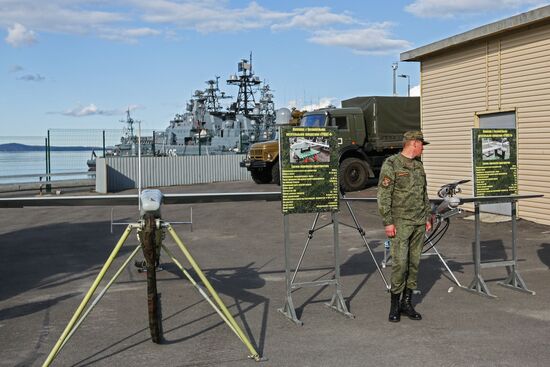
405	251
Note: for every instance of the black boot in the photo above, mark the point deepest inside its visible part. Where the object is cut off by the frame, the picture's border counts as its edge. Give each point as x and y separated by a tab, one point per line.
395	314
406	306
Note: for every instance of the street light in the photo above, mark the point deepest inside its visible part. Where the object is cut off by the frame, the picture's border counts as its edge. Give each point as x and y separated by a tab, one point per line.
394	67
408	83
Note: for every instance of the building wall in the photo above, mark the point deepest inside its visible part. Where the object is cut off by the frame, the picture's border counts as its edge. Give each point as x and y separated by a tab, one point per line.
508	73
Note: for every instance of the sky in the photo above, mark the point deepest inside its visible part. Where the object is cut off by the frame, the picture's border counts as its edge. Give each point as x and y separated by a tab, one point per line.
75	64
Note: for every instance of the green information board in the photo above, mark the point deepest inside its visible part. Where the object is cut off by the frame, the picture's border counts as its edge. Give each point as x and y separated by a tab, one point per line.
309	169
495	162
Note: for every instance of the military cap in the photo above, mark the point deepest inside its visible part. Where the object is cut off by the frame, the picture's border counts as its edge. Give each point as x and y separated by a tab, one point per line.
415	135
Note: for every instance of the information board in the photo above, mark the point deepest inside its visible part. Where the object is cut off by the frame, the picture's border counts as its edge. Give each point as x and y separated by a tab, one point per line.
309	169
495	162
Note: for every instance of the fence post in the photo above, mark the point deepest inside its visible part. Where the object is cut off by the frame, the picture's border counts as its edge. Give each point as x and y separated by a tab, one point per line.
153	145
48	163
103	143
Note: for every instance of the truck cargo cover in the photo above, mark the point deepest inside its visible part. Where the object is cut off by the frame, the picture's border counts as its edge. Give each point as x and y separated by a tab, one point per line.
387	117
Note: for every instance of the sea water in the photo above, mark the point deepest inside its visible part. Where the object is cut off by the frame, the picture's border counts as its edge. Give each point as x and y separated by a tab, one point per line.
33	164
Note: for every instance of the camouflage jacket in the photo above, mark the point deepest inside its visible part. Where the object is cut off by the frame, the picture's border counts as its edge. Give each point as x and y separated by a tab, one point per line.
402	191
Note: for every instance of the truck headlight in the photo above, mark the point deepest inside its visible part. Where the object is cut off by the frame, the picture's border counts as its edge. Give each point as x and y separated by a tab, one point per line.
269	156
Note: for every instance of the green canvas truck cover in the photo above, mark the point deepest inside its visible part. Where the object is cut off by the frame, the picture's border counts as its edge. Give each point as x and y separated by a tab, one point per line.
387	118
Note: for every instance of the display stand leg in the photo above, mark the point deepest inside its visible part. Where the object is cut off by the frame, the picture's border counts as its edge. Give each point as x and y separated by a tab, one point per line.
514	280
337	303
478	284
288	309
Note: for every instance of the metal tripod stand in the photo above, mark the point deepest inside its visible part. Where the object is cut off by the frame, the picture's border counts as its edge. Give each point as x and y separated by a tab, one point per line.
151	233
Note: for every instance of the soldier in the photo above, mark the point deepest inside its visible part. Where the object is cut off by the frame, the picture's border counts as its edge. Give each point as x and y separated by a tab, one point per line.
406	212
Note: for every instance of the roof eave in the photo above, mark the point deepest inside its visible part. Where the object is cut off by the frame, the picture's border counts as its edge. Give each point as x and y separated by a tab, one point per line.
490	30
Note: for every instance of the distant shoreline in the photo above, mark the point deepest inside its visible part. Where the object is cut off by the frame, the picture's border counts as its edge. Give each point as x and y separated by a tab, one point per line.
19	148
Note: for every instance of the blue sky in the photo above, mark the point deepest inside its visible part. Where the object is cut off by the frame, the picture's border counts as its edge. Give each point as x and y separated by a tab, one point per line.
81	64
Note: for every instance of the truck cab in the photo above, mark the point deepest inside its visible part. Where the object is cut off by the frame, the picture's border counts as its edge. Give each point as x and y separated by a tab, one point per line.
348	121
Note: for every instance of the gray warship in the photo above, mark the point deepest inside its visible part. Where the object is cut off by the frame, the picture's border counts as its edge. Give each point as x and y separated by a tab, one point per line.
207	127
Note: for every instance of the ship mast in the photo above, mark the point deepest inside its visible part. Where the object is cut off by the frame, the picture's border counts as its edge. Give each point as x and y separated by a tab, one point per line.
267	106
129	128
213	95
245	103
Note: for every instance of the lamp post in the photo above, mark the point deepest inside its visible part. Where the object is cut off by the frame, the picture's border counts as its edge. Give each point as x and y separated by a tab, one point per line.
408	83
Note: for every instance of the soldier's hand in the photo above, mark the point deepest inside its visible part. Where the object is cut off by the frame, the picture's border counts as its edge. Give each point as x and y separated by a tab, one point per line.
390	230
428	226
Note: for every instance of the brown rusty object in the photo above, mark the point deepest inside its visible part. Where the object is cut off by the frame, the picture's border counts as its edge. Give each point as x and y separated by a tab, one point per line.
148	242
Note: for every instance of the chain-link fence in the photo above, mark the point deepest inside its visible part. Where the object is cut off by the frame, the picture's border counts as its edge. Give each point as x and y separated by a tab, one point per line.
21	155
75	150
60	155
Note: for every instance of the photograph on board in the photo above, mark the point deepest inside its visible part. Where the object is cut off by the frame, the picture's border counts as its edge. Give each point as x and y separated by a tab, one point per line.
307	151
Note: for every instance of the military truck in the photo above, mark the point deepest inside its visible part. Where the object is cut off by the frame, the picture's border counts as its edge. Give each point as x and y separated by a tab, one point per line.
262	159
370	129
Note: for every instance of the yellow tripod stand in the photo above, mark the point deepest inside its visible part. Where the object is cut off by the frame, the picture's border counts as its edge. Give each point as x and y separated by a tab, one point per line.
150	242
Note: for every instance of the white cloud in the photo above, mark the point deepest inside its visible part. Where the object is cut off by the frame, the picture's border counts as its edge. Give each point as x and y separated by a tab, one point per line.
89	110
18	35
375	39
92	109
323	103
128	35
313	18
208	16
415	91
449	9
131	20
59	16
32	78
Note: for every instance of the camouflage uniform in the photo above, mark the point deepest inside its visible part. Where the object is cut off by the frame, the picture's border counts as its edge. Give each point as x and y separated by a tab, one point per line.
403	201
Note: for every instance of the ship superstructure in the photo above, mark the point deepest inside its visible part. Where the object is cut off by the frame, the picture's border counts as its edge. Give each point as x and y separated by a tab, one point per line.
129	142
206	127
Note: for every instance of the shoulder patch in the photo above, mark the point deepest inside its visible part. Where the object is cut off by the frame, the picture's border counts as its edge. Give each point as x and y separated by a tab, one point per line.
391	158
386	181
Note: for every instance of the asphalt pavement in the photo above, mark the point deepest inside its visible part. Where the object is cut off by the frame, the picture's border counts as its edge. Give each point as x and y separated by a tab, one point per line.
49	258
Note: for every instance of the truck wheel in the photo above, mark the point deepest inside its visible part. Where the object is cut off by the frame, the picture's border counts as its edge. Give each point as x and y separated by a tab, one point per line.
353	174
275	174
261	176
